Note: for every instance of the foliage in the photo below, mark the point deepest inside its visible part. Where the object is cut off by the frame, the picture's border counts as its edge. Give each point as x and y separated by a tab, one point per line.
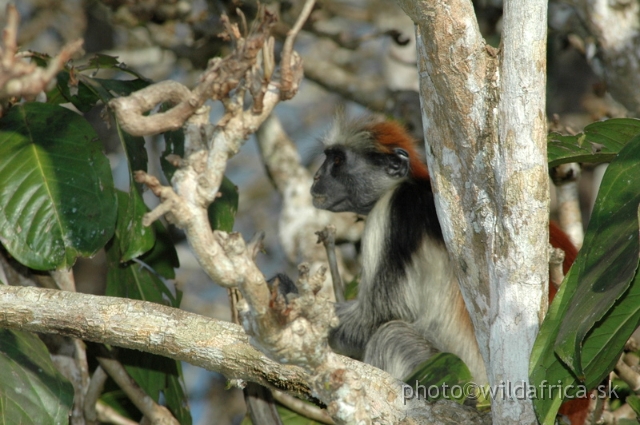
31	390
448	374
597	307
58	203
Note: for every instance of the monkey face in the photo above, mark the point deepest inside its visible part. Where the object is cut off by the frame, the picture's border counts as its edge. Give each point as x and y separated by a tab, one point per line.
354	181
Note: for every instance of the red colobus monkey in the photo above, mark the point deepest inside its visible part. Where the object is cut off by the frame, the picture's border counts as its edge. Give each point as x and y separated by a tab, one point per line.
409	304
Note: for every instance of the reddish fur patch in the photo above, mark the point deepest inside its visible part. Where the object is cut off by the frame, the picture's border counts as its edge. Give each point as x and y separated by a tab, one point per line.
390	135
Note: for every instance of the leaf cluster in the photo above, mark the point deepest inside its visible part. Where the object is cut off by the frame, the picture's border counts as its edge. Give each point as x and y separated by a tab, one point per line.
57	203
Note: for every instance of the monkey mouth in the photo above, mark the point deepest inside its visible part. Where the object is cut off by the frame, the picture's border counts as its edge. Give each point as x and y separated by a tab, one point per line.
319	200
322	202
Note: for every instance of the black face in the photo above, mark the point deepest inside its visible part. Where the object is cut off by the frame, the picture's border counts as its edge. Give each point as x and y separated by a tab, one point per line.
350	181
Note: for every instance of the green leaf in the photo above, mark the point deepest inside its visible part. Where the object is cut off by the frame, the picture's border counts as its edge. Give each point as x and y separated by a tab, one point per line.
222	212
136	160
121	87
57	200
79	94
176	398
134	238
545	367
442	376
351	289
634	402
600	347
611	251
101	61
140	279
115	398
600	142
32	391
135	150
163	257
143	278
90	91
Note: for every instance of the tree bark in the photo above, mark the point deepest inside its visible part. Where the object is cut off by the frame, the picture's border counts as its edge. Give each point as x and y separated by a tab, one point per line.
615	25
484	123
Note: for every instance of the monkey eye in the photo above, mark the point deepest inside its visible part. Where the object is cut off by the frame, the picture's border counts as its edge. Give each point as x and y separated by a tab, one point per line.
335	157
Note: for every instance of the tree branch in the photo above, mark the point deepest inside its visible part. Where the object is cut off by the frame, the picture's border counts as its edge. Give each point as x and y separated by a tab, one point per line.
140	325
217	346
18	78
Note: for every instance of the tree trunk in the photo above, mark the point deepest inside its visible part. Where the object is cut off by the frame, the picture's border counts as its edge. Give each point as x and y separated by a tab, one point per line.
484	122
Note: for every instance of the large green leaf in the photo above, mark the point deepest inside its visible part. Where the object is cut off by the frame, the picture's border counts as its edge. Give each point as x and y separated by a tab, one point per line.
57	200
599	142
32	391
551	377
593	335
611	251
545	367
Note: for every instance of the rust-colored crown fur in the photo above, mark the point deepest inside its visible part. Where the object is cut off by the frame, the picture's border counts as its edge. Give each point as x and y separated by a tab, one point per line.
390	135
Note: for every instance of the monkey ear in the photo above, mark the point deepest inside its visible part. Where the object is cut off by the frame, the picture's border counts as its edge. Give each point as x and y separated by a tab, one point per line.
398	165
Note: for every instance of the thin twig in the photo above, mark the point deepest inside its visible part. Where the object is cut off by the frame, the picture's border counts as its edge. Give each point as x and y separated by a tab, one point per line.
149	408
65	280
628	375
110	415
287	89
328	238
305	409
556	261
96	385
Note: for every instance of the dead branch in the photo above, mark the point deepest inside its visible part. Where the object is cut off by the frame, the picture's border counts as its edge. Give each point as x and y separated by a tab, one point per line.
289	86
19	78
221	77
